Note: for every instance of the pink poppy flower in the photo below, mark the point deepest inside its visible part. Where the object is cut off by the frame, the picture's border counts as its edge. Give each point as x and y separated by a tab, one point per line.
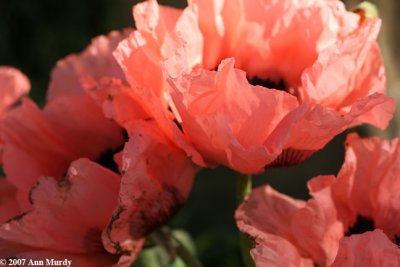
93	203
254	84
325	229
70	126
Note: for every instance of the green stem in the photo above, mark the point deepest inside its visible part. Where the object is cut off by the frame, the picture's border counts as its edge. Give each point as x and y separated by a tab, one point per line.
244	187
174	247
185	255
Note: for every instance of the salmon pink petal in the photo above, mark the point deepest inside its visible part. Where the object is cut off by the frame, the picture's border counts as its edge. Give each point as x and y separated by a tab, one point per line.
262	43
8	203
141	53
320	182
165	21
225	117
267	211
291	231
80	119
95	61
220	23
376	109
370	79
139	56
240	33
332	78
80	205
368	249
316	227
311	127
30	138
362	198
268	47
275	251
373	181
117	100
45	142
123	105
157	178
13	85
150	16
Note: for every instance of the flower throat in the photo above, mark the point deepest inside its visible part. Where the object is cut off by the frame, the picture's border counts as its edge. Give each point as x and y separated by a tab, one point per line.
268	83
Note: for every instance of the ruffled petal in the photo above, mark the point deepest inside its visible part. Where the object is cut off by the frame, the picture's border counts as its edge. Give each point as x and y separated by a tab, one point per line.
263	44
149	15
139	56
316	227
119	102
225	117
156	181
312	127
267	216
266	211
80	205
373	183
332	79
369	249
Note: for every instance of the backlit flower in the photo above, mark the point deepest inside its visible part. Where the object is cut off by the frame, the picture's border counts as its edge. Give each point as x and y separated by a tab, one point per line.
255	83
329	228
68	167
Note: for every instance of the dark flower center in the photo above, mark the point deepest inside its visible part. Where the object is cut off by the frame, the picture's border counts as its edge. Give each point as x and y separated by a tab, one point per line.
362	225
106	159
268	83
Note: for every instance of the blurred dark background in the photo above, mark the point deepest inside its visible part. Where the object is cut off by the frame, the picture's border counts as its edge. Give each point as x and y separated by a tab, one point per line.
35	34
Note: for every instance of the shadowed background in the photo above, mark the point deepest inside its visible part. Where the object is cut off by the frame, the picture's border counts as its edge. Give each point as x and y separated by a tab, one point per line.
35	34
